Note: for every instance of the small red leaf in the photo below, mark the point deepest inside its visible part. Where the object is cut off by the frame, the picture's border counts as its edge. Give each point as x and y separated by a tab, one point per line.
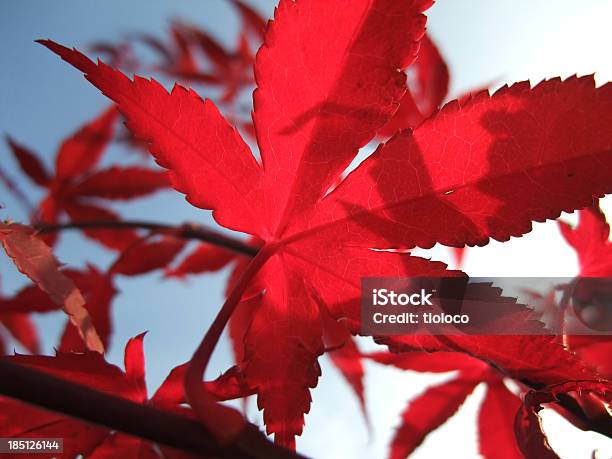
427	412
458	255
251	19
80	152
346	357
496	422
590	240
122	183
35	259
135	364
99	292
205	258
119	239
431	87
426	91
145	256
229	386
30	164
28	299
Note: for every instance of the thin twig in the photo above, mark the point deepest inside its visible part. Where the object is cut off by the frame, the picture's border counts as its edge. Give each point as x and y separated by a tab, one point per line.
116	413
185	231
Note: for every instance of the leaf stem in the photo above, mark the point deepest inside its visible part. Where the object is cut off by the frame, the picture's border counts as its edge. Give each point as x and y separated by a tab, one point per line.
203	403
185	231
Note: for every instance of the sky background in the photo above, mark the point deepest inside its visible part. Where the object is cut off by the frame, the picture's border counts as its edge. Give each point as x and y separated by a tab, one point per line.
42	100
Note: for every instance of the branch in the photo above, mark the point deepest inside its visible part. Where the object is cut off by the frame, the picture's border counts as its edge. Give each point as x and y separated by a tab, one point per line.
185	231
115	413
568	403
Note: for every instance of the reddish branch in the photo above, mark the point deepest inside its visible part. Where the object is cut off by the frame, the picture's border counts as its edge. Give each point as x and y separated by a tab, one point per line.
185	231
120	414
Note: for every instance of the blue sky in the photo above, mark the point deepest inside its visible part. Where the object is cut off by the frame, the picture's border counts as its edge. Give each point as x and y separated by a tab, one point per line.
43	99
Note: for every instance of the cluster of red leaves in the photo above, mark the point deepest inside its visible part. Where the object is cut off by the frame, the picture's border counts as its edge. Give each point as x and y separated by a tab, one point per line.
75	189
79	358
35	259
91	369
192	55
437	404
482	167
97	287
76	185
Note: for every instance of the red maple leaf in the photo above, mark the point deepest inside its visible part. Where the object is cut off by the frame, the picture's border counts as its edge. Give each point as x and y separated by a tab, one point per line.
230	69
450	181
192	55
98	289
438	403
590	240
35	259
98	292
75	186
178	58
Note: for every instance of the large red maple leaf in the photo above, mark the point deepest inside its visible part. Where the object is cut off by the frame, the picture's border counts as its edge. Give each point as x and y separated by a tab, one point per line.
481	168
